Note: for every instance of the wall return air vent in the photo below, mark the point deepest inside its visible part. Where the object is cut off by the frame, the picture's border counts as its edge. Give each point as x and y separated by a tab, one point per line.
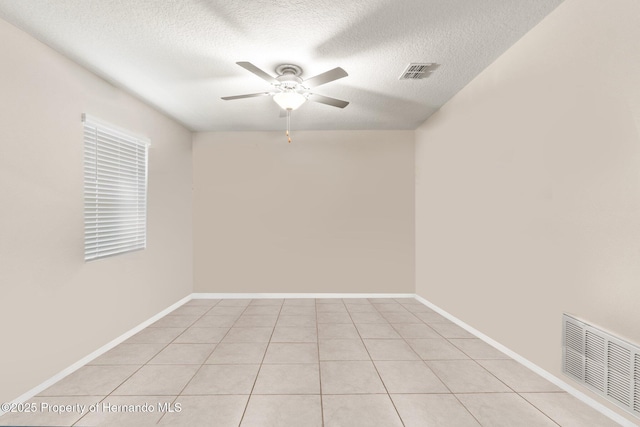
418	71
606	364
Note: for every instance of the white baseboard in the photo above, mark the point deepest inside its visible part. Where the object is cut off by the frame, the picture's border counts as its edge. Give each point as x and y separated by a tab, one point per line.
535	368
99	352
295	295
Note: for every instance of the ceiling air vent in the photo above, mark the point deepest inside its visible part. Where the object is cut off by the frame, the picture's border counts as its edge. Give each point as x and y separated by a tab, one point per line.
606	364
418	70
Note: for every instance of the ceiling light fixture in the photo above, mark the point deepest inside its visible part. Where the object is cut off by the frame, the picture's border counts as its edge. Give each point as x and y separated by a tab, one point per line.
289	100
290	90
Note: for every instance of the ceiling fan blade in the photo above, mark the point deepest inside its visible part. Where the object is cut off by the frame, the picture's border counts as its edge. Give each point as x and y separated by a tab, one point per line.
326	100
326	77
258	72
249	95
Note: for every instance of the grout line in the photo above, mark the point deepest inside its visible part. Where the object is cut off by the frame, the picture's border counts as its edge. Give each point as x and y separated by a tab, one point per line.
541	411
484	369
374	365
147	362
435	374
205	359
544	413
261	362
315	307
82	417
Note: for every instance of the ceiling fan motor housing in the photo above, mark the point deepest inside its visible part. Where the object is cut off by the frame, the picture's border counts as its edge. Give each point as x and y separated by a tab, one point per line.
284	69
289	77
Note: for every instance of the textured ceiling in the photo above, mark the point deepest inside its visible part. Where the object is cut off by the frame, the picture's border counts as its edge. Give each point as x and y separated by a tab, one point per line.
180	55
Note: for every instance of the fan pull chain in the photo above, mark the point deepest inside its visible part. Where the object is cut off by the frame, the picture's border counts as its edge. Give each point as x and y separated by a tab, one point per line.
288	124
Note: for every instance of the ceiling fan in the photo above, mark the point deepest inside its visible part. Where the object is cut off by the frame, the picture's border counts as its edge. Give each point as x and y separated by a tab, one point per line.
290	91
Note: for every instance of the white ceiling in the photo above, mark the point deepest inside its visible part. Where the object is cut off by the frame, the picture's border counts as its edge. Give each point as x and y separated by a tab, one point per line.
180	55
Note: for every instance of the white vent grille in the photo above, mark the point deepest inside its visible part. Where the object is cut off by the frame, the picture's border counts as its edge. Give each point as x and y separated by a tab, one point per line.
608	365
573	345
619	378
636	394
417	71
594	360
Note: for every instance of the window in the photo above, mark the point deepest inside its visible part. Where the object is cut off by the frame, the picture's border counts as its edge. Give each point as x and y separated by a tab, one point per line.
115	190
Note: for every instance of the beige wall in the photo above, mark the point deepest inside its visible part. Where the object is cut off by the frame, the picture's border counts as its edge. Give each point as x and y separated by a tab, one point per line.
527	201
55	308
330	212
528	185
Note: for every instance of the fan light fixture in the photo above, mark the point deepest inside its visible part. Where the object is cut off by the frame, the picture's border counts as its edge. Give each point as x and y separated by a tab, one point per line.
291	91
289	100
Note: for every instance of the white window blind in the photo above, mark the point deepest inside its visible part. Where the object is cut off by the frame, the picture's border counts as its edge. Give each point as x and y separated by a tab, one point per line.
115	190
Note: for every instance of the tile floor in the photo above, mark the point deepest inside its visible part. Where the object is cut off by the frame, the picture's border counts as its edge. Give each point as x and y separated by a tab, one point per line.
306	362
